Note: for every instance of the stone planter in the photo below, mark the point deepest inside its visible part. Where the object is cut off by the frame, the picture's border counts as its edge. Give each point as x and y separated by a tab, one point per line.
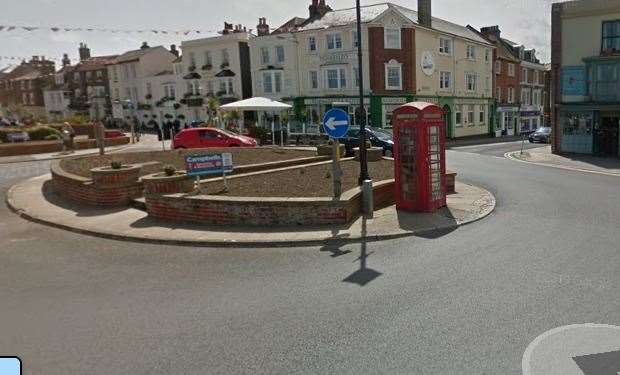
326	150
159	183
127	175
372	154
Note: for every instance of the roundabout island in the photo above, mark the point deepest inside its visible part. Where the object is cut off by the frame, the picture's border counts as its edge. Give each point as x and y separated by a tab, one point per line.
273	197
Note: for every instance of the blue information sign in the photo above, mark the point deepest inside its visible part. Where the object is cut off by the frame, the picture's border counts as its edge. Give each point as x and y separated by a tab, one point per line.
200	165
574	80
336	123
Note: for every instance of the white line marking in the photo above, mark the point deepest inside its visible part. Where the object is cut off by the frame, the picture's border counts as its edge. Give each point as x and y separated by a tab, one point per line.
510	155
527	356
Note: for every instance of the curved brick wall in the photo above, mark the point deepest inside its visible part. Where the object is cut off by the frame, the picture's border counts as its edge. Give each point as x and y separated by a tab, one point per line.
71	177
216	210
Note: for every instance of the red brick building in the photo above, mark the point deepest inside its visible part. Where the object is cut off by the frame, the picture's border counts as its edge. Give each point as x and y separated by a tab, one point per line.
505	82
382	57
23	87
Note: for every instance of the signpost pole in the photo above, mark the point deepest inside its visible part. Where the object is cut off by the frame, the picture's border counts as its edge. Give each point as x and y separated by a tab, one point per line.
363	159
336	169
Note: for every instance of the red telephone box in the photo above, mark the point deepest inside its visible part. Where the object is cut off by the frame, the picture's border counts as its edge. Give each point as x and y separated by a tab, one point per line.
419	157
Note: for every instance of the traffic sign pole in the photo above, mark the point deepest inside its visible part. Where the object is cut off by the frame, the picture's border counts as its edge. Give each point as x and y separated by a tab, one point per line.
362	118
336	169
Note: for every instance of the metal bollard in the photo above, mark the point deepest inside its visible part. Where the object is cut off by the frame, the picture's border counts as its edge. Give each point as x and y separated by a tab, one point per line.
367	199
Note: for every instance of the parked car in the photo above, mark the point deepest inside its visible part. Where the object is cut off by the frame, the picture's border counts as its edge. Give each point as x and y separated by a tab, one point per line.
542	135
377	137
114	134
210	137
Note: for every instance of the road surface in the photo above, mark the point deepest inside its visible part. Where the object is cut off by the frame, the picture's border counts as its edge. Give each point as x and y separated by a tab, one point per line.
465	302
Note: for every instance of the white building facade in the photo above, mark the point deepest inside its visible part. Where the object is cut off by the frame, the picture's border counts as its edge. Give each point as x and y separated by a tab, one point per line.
215	67
130	76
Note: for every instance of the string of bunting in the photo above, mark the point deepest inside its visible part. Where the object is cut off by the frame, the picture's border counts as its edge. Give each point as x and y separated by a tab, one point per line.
58	29
20	58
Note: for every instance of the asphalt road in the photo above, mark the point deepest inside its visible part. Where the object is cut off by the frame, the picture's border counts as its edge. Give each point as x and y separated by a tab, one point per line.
498	149
464	302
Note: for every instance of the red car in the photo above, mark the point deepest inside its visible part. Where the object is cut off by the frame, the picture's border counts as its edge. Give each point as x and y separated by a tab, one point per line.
210	137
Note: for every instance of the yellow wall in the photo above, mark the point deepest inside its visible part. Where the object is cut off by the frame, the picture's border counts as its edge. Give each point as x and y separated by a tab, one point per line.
581	37
456	63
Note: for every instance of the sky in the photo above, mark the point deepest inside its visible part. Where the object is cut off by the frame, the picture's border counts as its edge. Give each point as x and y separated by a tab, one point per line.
526	22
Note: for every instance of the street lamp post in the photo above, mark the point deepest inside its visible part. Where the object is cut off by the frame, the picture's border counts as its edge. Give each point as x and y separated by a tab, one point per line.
362	117
364	179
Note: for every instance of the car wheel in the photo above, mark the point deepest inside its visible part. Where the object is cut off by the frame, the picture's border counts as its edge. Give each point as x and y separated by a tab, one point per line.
233	146
389	154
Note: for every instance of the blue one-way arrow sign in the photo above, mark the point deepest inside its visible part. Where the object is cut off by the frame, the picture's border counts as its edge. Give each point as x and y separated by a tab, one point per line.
336	123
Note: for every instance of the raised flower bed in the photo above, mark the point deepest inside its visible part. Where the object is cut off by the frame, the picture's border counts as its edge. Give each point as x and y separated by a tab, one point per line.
123	175
167	183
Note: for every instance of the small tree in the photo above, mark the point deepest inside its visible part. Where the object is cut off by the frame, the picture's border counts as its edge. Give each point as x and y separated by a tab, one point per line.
213	108
233	116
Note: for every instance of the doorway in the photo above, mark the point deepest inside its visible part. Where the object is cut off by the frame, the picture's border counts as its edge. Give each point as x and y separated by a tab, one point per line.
606	137
448	120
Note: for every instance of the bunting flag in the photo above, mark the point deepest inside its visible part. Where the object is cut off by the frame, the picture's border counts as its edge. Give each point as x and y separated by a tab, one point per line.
20	58
56	29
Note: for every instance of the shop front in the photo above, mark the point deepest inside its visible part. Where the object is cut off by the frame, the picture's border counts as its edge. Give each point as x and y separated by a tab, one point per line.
592	130
530	119
506	120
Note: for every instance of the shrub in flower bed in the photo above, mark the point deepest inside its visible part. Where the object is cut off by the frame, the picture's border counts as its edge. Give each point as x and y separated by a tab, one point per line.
36	133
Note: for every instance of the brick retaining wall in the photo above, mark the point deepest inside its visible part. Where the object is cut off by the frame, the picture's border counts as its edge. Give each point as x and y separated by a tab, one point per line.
71	177
43	147
215	210
82	190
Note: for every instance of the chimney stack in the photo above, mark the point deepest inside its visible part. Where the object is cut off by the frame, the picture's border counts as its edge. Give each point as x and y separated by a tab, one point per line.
84	52
424	13
491	32
174	50
228	27
318	9
262	29
65	60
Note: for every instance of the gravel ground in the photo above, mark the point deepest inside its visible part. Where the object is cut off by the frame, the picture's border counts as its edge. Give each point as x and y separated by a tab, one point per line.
314	181
241	156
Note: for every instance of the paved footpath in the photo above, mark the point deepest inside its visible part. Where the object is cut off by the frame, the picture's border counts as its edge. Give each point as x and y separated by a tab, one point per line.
147	142
33	199
582	163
